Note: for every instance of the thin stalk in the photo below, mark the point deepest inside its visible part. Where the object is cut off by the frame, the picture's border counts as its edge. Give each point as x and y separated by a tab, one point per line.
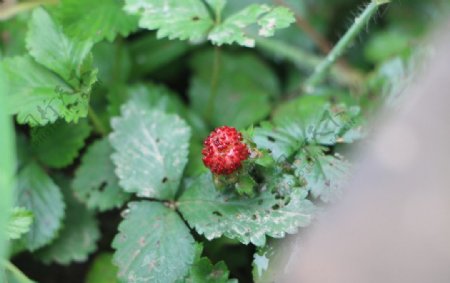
7	164
214	85
361	21
308	61
96	122
16	272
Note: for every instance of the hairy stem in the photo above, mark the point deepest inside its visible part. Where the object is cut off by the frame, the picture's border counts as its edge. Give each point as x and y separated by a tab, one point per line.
96	122
360	22
214	85
308	61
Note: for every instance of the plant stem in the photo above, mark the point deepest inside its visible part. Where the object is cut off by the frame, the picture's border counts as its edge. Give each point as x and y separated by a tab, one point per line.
7	164
17	273
308	61
214	85
10	11
96	122
360	22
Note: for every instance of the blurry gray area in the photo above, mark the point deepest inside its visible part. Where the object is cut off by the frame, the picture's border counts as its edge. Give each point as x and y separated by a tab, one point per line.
394	223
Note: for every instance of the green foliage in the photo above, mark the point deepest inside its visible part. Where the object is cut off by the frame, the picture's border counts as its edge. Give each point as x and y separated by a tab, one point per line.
19	223
243	95
153	244
151	151
203	271
77	239
95	183
323	175
137	133
213	213
37	192
57	145
95	20
56	81
102	270
191	20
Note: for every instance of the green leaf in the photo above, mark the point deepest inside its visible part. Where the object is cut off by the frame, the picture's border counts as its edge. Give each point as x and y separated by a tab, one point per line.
39	97
95	183
102	270
95	20
151	150
243	95
308	120
153	244
318	121
235	28
57	145
324	175
50	47
191	20
77	239
19	223
203	271
156	97
37	192
188	19
213	213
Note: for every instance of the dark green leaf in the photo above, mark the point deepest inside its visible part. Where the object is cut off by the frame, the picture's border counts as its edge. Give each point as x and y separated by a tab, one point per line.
57	145
95	183
39	194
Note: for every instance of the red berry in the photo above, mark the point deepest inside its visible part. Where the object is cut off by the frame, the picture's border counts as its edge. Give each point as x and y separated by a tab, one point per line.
224	150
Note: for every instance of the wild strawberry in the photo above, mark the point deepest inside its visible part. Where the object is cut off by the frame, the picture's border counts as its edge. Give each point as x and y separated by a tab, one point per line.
224	150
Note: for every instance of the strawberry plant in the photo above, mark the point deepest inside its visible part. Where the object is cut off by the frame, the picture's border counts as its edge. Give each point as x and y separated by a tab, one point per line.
181	140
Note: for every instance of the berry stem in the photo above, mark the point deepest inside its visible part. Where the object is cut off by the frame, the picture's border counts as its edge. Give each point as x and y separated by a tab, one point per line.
360	22
214	85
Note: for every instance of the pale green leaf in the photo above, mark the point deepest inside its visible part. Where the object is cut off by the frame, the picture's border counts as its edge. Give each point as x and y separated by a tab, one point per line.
38	96
57	145
153	244
102	270
190	19
151	150
213	213
95	183
37	192
50	47
308	120
95	20
157	97
324	176
315	120
235	28
77	239
19	223
187	19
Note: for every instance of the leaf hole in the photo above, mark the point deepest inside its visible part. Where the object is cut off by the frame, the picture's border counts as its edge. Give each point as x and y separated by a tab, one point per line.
195	18
164	180
102	187
275	206
271	139
215	212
